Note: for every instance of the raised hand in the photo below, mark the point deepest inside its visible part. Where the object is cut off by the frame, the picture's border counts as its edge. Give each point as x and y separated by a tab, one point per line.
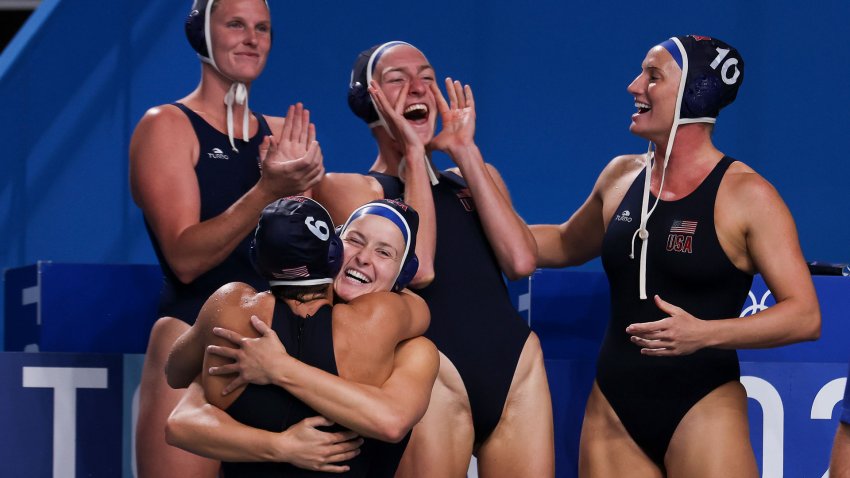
679	334
254	359
457	116
292	162
400	129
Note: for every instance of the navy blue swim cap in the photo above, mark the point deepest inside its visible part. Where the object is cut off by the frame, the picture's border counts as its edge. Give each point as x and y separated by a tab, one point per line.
295	243
712	72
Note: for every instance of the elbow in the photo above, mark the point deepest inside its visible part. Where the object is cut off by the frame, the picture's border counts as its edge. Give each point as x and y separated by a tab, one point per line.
523	265
814	328
185	274
173	431
393	429
423	278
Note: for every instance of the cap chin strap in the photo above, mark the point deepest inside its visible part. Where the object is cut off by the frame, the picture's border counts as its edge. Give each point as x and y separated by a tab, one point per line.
402	171
238	91
645	214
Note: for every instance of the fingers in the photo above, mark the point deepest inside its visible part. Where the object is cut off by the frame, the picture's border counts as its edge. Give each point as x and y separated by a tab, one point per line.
317	421
224	369
378	99
297	123
311	133
225	352
459	94
228	335
659	352
234	384
402	97
470	101
442	106
286	129
665	306
305	126
644	328
450	90
260	326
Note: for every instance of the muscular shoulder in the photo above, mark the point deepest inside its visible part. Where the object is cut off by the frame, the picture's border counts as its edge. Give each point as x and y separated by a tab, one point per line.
235	301
373	306
748	195
624	167
163	119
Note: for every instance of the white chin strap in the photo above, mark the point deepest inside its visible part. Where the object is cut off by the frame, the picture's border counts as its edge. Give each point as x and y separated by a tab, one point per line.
238	92
645	212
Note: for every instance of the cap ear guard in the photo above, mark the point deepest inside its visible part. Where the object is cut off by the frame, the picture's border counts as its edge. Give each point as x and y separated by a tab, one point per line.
408	271
195	27
335	253
359	100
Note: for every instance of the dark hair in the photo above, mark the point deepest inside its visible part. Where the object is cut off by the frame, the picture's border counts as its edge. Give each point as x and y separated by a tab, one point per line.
300	293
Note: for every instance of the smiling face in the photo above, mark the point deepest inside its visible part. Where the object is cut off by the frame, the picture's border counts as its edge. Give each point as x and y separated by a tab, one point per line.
374	249
404	64
241	38
655	90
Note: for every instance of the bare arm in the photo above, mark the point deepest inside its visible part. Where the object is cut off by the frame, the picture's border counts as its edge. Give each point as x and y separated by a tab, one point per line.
773	250
164	185
381	410
206	430
417	184
185	358
507	233
386	412
579	239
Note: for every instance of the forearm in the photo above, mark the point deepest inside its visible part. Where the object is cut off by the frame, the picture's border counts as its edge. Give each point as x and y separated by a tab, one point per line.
202	246
550	248
417	193
365	409
787	322
185	359
507	233
206	430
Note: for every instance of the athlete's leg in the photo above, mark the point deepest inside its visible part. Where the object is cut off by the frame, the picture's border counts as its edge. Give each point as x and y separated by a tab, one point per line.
713	439
522	444
606	448
154	457
441	443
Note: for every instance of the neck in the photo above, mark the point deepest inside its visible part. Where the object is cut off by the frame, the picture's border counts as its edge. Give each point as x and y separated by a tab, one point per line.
390	154
692	157
309	304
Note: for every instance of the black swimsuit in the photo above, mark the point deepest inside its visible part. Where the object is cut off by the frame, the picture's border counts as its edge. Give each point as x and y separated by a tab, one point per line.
272	408
224	176
686	267
472	319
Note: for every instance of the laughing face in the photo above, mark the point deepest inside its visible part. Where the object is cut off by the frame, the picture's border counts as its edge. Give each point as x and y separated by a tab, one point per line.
374	249
655	90
404	64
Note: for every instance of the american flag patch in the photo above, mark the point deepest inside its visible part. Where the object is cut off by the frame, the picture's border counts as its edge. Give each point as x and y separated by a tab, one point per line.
684	227
293	273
